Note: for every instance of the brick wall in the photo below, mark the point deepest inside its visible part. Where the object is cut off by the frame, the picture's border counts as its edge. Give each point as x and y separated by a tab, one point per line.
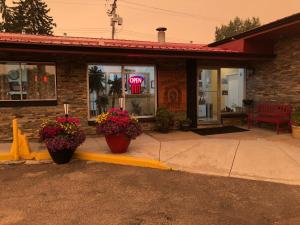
72	87
278	80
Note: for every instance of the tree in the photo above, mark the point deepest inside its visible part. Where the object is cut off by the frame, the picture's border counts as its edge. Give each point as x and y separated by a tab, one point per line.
29	16
115	89
3	8
97	84
236	26
6	15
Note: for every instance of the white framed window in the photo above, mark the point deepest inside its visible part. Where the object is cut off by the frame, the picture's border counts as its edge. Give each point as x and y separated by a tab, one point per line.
20	81
107	83
233	89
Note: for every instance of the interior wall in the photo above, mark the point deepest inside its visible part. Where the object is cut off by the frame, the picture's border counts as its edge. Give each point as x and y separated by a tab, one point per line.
232	87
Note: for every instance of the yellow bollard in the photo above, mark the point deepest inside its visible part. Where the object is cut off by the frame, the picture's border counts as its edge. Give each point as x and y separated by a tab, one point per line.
24	151
14	150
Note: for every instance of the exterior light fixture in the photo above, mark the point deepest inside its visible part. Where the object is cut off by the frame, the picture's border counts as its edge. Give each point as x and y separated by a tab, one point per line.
121	103
66	108
250	72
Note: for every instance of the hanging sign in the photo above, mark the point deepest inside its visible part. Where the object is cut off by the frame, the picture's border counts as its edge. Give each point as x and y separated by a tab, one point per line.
135	81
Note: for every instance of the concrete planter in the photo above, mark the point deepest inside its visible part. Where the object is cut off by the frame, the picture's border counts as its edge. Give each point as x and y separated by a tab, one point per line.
296	131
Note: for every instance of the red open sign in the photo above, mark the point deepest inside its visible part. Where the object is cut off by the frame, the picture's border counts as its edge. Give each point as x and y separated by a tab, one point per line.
135	81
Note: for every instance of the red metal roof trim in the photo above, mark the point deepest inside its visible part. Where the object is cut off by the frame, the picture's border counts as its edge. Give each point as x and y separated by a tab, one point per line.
289	20
14	38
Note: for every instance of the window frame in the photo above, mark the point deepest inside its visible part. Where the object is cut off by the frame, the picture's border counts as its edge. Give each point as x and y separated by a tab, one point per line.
31	102
122	65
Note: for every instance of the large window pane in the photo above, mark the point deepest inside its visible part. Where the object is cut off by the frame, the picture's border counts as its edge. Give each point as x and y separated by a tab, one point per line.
24	81
140	90
10	81
105	87
109	82
208	95
232	89
38	81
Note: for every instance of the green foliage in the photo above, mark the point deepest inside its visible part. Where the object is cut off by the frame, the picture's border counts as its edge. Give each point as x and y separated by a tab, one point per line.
96	79
163	120
236	26
296	117
29	16
136	108
102	103
97	84
185	121
247	102
185	124
115	89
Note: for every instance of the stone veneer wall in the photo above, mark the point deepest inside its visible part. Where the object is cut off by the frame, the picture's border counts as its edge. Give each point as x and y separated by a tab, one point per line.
72	87
278	80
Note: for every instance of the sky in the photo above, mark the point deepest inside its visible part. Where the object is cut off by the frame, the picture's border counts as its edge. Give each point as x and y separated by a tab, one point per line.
186	20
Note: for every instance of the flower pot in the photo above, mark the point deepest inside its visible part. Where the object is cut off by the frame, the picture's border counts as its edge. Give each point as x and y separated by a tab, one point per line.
185	127
296	131
61	156
117	143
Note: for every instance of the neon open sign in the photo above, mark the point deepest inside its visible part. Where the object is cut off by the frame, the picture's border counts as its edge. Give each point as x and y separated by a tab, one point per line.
136	79
135	82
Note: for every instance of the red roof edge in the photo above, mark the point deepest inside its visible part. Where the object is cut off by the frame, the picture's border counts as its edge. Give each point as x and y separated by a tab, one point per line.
258	30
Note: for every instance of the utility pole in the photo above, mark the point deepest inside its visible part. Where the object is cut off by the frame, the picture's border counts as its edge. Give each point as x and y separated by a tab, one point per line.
115	18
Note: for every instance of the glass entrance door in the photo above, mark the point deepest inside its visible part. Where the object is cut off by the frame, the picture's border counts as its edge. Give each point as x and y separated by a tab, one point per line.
208	101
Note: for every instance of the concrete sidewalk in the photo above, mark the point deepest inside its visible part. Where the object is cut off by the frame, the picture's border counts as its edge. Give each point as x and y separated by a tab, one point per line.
258	154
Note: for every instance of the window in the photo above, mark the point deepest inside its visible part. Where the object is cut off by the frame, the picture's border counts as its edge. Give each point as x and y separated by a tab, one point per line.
107	83
27	81
232	89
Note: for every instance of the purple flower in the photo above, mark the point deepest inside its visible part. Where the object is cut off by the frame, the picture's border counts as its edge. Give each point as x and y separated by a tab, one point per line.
62	134
119	122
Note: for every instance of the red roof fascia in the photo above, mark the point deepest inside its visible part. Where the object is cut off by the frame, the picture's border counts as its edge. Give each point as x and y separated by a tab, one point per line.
13	38
281	25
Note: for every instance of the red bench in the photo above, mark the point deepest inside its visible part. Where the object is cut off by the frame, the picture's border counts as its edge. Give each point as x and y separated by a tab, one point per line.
277	114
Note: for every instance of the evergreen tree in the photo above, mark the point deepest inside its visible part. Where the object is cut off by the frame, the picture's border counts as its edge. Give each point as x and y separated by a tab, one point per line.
6	15
29	16
236	26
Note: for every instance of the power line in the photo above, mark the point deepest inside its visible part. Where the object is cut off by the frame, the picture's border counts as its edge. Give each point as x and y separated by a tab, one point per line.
137	6
168	11
83	28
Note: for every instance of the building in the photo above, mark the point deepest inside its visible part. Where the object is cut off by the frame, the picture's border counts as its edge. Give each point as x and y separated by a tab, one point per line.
38	74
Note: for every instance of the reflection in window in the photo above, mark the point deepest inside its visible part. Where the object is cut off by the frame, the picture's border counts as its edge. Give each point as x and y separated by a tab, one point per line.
24	81
140	90
105	87
232	89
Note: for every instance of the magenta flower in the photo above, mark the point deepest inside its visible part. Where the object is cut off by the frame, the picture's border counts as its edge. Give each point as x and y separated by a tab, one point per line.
63	134
117	122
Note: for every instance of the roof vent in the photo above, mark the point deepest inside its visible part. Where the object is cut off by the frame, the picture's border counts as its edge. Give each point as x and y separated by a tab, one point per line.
161	35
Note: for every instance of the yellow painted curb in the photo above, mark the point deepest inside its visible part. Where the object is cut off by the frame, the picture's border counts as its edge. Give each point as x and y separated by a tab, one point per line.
20	150
6	157
120	159
41	155
108	158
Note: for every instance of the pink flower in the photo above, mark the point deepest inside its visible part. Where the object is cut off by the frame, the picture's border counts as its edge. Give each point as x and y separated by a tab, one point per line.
68	120
119	122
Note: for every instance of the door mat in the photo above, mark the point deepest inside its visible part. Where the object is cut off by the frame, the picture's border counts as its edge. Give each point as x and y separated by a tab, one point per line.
218	130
